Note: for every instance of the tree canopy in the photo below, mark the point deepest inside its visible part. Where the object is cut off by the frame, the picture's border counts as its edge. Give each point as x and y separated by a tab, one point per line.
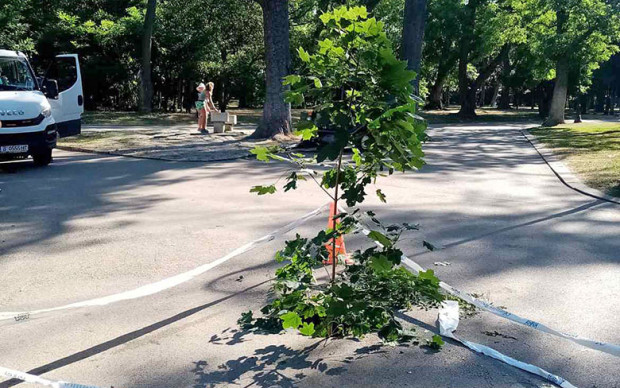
476	52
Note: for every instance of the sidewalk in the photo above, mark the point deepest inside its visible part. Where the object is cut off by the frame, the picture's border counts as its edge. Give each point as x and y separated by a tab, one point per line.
170	143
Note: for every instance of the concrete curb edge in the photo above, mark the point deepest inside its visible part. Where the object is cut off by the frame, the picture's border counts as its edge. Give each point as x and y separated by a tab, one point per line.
564	174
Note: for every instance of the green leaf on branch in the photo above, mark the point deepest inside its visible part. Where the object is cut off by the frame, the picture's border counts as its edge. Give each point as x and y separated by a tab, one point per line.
380	238
291	79
381	196
262	190
380	263
428	276
290	320
307	133
307	329
262	153
303	54
436	342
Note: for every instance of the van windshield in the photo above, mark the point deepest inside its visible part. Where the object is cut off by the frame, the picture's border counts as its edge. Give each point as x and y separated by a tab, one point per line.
15	74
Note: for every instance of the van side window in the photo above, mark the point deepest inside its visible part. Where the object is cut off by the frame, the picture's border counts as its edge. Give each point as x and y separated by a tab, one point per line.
64	71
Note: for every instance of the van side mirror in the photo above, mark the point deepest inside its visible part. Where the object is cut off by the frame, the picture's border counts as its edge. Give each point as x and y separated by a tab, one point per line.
50	88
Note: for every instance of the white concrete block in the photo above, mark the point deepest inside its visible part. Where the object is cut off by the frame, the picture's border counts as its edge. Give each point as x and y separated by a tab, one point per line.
219	117
218	127
232	119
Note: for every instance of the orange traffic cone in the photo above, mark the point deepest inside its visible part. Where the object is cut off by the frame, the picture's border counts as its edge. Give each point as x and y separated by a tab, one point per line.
340	248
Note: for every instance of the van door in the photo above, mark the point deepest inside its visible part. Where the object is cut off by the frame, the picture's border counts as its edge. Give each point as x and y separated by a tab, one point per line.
68	106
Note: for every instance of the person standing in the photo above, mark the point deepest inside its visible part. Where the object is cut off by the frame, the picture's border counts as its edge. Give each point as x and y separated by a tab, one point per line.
201	109
204	105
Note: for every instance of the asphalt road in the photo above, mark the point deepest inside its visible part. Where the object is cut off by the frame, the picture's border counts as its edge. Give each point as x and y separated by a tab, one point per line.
90	225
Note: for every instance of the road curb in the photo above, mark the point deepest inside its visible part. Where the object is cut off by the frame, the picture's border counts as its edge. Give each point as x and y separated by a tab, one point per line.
111	153
564	174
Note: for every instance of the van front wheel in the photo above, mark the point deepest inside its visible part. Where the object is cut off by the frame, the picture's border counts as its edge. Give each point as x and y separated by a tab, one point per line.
42	157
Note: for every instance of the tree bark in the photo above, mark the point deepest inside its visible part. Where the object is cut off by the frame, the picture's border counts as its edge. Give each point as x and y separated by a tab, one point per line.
276	112
495	94
434	97
483	95
146	84
545	91
468	109
413	37
560	89
504	98
469	88
577	110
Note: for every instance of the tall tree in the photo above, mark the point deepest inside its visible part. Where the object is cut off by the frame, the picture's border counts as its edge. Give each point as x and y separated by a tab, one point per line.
14	29
413	36
146	83
489	31
276	112
582	36
441	39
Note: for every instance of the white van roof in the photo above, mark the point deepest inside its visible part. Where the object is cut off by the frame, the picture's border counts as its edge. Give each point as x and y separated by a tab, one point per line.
11	53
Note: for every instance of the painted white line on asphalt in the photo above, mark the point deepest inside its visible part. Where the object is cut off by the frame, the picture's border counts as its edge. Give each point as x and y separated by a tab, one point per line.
170	282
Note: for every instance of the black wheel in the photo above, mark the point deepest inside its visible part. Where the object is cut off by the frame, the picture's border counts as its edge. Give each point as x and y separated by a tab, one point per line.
42	157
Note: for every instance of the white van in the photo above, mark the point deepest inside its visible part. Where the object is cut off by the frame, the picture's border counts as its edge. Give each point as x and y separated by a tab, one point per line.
34	113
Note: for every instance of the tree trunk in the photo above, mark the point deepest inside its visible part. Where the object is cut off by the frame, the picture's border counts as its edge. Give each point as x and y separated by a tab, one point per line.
467	110
504	98
413	37
468	103
607	102
468	107
434	97
577	110
558	101
560	89
483	95
469	88
146	84
495	94
276	112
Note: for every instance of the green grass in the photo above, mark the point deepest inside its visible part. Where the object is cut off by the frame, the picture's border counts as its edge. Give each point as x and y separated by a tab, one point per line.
592	150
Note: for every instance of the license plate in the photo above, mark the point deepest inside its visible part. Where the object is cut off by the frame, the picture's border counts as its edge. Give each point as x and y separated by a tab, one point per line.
13	149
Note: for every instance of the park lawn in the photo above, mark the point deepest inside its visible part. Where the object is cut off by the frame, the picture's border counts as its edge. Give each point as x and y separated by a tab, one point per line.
592	150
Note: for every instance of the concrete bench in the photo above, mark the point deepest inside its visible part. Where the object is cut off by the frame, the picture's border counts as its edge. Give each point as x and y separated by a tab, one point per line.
223	121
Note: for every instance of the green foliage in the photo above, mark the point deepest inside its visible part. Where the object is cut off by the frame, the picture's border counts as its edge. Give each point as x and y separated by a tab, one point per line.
14	33
361	301
584	32
362	97
361	94
436	342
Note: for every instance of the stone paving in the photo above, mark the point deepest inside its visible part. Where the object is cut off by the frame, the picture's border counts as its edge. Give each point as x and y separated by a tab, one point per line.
173	143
